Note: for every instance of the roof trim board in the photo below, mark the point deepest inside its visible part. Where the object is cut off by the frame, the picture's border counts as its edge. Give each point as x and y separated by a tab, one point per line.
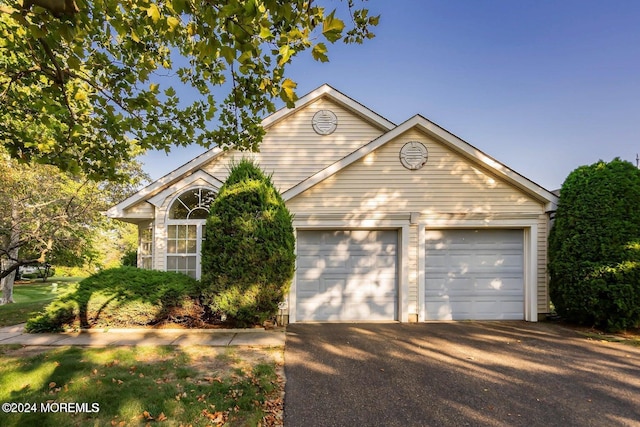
325	90
163	182
199	175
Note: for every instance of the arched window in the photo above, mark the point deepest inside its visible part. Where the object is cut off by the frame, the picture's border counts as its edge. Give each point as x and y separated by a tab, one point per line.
185	230
192	204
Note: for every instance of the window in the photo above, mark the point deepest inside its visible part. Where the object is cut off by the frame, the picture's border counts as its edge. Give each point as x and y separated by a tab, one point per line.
192	204
185	230
145	245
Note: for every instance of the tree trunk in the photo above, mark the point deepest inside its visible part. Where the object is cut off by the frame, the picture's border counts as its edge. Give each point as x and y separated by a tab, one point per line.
6	284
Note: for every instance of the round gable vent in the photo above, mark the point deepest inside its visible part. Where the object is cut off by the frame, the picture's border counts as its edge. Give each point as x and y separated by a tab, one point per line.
324	122
413	155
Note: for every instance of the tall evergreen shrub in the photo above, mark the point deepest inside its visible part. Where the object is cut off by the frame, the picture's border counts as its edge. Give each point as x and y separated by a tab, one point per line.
594	246
248	255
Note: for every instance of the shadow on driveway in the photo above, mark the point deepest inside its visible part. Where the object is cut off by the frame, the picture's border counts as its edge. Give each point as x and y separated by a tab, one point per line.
457	374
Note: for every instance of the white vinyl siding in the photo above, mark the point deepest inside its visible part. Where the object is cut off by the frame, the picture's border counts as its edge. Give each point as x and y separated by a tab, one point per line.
140	210
448	184
543	293
292	151
347	275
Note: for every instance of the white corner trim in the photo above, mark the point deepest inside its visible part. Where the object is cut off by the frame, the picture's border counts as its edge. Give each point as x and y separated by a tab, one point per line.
422	238
403	274
531	273
293	288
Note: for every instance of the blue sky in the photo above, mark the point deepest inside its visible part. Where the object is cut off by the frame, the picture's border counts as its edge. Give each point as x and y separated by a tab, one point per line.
541	86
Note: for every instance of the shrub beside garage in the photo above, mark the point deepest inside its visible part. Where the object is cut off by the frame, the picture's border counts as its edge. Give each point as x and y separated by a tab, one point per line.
248	256
594	247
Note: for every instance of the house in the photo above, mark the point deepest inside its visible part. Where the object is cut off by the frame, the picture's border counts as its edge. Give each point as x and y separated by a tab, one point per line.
393	222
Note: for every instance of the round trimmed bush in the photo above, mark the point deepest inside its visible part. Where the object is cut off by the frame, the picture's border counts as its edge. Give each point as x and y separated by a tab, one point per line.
248	255
594	247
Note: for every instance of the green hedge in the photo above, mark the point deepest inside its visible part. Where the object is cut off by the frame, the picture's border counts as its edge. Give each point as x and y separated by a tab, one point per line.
120	297
248	255
594	247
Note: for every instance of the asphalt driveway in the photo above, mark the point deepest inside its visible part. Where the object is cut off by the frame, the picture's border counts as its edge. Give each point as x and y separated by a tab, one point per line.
457	374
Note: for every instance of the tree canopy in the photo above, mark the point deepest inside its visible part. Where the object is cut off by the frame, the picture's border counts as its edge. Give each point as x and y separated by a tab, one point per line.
87	85
51	216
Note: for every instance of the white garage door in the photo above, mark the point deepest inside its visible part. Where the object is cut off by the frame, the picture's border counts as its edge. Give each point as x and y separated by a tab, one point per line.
474	274
346	275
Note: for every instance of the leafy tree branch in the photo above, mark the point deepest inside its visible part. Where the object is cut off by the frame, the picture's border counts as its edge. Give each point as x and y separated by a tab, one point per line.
87	85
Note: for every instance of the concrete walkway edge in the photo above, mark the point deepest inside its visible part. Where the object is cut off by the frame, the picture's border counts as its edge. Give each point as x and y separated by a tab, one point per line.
141	337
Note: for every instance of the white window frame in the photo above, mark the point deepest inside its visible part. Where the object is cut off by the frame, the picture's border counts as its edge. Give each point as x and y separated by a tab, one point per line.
142	241
199	223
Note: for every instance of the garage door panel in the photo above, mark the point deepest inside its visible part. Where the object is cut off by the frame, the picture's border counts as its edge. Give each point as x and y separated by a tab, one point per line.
501	260
306	287
475	309
477	284
501	284
474	274
355	274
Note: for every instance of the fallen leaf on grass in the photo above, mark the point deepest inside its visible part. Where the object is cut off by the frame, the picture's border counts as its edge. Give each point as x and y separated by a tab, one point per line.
217	417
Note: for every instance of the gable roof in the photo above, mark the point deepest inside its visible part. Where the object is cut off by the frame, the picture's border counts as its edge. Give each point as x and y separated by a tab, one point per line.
448	139
324	91
390	130
339	98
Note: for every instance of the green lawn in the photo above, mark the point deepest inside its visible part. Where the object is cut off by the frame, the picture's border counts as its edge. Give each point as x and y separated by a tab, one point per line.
31	297
125	386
